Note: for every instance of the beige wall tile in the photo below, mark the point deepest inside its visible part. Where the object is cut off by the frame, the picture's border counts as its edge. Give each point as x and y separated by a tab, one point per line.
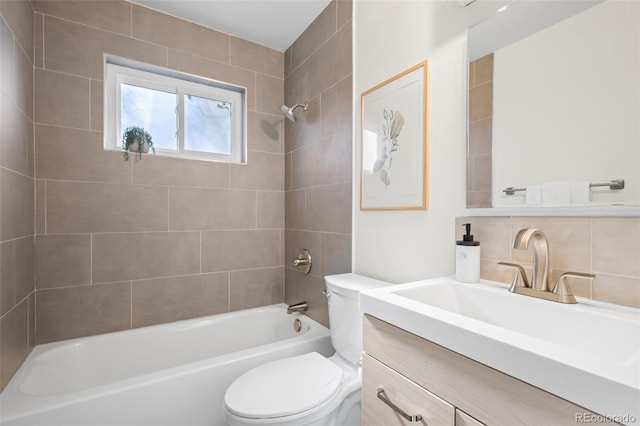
177	298
14	328
337	110
25	267
78	207
269	94
307	288
478	199
263	171
345	11
197	65
483	70
481	102
197	208
270	209
336	254
490	270
256	58
287	61
616	246
62	99
295	209
78	49
16	133
63	260
132	256
618	290
40	207
19	16
288	183
494	234
316	34
482	173
569	241
31	306
154	26
158	170
314	164
38	40
73	154
265	132
231	250
97	111
329	208
307	130
8	82
480	137
17	207
295	241
24	77
331	62
65	313
256	287
110	15
7	276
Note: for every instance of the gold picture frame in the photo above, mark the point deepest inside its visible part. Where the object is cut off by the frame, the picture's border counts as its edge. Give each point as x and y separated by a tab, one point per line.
394	148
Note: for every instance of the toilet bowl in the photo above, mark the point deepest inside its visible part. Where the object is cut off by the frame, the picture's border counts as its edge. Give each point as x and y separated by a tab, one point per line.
309	389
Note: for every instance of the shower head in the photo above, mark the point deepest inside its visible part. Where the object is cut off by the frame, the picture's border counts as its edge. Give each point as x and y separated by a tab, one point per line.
288	112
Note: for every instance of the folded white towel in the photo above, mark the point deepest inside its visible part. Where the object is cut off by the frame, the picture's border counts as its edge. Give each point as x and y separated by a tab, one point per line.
556	194
533	195
580	193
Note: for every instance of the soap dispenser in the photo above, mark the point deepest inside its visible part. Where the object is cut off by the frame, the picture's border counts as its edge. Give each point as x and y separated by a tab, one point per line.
468	257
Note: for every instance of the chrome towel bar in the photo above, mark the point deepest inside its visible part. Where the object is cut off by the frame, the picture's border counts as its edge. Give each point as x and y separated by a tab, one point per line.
614	184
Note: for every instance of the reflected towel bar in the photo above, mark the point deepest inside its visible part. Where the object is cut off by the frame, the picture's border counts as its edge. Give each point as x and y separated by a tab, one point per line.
614	184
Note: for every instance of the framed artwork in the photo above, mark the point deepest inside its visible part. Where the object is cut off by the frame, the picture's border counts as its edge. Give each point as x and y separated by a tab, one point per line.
393	166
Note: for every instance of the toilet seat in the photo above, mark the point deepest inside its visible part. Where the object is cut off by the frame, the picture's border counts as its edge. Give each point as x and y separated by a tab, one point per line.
284	387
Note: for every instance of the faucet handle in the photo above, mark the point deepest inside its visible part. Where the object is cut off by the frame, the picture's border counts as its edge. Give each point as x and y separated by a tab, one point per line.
520	272
562	287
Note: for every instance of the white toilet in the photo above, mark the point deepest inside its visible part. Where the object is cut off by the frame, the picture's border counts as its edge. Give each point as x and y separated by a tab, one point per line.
309	389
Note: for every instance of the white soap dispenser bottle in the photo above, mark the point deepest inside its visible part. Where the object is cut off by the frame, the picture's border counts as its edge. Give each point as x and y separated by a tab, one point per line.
468	258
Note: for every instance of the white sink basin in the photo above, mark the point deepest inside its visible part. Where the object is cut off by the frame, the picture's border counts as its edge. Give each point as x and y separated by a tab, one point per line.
587	353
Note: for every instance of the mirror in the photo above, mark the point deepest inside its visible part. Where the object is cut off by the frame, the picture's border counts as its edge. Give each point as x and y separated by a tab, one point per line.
554	104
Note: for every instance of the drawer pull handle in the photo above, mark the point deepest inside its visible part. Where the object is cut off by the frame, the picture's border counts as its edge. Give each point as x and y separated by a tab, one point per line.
394	407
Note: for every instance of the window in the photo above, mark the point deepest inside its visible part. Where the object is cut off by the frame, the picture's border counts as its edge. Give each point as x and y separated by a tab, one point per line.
186	116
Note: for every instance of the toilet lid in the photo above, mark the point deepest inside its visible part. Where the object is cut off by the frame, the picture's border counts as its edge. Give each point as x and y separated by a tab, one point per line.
284	387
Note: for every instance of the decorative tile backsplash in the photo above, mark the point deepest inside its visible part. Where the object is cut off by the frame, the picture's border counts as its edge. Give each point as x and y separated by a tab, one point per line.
605	246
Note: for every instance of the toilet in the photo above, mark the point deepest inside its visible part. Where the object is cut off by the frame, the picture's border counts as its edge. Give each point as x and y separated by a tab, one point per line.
309	389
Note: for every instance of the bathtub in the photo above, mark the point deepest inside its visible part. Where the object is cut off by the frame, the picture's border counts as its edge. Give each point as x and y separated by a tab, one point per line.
169	374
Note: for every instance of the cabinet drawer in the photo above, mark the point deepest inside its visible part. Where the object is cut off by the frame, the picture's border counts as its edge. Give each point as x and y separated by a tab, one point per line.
463	419
490	396
402	392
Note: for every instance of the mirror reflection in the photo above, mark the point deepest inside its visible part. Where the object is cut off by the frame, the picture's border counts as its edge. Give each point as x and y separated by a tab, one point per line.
554	101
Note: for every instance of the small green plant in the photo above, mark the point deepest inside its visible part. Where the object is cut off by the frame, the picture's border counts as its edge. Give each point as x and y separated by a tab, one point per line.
136	139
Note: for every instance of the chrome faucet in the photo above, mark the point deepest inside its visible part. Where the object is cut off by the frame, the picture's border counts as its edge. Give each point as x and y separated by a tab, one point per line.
540	274
539	284
297	307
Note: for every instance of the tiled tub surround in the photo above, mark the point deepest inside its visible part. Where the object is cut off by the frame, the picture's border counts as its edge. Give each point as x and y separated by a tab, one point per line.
123	244
17	295
318	171
606	247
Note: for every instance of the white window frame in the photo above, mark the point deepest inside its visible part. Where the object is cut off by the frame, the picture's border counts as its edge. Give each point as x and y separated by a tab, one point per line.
118	70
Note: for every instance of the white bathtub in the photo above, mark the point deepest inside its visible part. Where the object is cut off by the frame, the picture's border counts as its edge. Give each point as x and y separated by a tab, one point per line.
170	374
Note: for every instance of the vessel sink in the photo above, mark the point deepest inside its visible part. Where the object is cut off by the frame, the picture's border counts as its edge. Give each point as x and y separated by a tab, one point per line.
587	353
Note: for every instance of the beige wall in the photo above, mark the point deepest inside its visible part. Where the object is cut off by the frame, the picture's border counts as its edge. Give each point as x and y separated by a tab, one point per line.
124	244
17	296
479	141
606	247
318	155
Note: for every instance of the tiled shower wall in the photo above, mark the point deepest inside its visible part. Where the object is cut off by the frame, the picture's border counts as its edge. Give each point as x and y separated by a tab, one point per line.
124	244
17	296
480	132
605	246
318	155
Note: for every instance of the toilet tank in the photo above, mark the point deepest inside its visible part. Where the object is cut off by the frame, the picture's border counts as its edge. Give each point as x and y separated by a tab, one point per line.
345	319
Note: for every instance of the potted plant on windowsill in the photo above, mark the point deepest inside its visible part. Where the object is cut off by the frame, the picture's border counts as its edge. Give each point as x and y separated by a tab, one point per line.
136	139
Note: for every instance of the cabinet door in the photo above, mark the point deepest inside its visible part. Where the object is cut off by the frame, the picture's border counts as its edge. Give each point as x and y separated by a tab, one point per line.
379	382
463	419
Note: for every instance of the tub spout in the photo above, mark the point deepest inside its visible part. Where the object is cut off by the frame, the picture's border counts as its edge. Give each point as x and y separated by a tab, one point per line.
297	307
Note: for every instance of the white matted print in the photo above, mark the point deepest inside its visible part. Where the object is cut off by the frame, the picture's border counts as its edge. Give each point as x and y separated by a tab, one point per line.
393	173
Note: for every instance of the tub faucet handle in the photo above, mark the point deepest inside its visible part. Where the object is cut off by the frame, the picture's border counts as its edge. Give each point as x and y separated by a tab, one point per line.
297	307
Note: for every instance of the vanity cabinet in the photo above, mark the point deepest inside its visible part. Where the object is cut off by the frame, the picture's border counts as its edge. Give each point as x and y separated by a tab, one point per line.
421	377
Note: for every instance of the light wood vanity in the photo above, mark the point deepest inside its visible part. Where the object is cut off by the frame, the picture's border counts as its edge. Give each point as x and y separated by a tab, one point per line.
446	388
